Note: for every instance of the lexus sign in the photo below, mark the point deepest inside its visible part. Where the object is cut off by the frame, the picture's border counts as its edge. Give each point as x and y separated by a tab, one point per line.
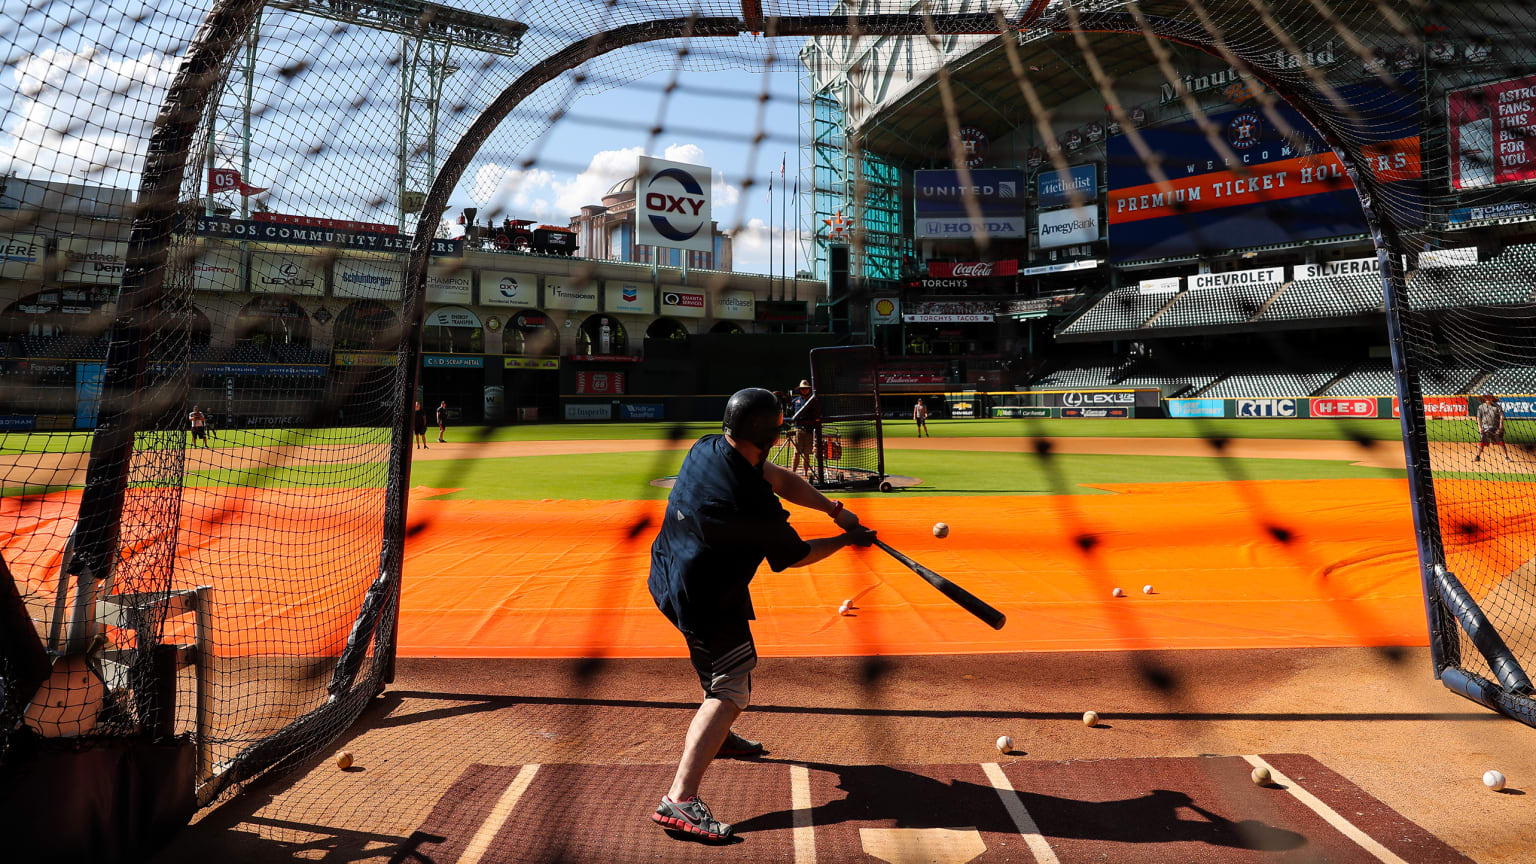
672	205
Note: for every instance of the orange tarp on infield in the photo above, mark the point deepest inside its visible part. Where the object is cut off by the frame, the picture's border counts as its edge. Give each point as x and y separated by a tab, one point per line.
1234	565
565	578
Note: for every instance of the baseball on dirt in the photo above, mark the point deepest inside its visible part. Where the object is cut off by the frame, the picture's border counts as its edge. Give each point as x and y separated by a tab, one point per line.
1090	718
1146	589
1493	780
344	759
1004	744
940	530
1261	776
1118	592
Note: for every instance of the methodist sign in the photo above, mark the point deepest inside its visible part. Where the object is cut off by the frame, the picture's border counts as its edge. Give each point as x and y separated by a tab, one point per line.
943	200
1056	189
672	205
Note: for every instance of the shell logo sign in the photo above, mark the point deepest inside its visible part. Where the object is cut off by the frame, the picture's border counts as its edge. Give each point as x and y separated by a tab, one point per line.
885	310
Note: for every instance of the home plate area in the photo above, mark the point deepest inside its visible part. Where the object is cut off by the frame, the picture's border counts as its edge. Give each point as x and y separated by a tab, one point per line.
1188	810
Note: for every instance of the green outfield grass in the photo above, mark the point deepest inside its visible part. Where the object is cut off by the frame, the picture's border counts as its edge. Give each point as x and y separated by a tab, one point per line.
1306	429
627	476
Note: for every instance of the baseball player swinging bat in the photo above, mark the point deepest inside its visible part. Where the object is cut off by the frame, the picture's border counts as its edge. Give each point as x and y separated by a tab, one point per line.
965	599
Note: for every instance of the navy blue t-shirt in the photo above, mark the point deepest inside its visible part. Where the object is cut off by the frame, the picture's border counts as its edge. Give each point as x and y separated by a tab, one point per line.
722	520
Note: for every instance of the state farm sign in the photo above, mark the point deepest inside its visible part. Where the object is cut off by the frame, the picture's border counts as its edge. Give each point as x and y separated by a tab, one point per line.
1445	406
1343	407
972	269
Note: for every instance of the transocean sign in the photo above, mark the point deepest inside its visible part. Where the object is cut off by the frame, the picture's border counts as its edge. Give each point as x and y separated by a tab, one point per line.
672	205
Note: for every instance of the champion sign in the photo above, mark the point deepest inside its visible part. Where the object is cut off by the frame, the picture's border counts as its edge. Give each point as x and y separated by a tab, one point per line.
673	205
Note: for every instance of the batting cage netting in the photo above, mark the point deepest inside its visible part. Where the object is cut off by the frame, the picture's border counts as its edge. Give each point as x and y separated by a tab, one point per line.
846	444
225	221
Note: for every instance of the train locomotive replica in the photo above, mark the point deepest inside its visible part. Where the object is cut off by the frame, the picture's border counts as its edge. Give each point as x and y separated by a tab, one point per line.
517	235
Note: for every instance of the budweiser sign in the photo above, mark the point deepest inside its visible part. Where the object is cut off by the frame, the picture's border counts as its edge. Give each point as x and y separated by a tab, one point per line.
972	269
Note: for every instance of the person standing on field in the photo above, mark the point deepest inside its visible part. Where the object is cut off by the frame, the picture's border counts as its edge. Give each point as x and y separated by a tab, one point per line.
199	426
803	436
419	424
723	519
442	421
1490	425
920	417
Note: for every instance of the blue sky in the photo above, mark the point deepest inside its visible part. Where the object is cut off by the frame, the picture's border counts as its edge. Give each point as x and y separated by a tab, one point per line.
80	84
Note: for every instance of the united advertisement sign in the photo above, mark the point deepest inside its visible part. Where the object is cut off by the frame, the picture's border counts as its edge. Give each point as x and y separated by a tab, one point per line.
941	204
1277	190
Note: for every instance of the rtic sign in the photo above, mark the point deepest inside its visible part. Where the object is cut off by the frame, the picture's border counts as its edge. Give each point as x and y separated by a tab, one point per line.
1266	407
1343	407
672	204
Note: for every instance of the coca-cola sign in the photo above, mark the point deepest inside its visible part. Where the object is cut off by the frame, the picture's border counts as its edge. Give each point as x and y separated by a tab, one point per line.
972	269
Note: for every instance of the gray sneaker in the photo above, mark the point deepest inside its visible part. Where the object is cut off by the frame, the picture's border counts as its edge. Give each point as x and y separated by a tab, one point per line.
691	817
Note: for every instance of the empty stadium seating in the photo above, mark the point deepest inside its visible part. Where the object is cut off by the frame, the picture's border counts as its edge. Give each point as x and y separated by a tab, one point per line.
1260	383
1121	309
1326	298
1214	306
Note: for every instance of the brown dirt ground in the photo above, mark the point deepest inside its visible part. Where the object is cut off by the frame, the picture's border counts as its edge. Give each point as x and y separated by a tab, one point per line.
1377	718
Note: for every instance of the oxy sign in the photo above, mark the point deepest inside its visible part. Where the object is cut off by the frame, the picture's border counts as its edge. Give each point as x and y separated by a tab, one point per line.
672	205
1266	407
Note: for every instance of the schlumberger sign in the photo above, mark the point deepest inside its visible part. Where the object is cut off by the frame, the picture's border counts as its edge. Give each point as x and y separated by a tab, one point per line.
672	204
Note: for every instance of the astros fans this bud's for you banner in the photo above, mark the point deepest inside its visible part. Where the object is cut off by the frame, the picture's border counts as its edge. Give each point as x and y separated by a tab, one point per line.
672	205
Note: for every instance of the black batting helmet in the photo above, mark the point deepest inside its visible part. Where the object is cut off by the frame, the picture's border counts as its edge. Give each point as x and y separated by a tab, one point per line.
753	415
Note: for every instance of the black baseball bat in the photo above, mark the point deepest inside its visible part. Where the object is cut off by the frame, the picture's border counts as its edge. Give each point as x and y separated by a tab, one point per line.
965	599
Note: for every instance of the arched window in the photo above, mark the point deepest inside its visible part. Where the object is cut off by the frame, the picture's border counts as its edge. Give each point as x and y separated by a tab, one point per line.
528	333
666	328
602	334
727	327
367	325
270	321
453	330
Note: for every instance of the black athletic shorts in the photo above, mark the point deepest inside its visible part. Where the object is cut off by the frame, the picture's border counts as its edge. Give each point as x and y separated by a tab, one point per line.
723	656
1492	436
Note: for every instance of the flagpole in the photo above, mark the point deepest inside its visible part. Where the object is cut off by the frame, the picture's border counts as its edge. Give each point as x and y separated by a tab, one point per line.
770	233
784	220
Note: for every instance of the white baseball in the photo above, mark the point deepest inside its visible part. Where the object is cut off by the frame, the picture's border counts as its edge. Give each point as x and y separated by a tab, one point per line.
843	609
1118	592
940	530
1493	780
1146	589
1004	744
1261	776
1090	718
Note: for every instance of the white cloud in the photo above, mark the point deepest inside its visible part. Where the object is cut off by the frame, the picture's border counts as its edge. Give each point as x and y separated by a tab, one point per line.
86	116
544	195
749	248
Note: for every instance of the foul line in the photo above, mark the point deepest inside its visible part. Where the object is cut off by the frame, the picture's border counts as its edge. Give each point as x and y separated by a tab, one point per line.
800	801
1021	819
1331	816
498	815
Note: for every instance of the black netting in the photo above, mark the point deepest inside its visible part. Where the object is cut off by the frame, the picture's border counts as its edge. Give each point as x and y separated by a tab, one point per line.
223	223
